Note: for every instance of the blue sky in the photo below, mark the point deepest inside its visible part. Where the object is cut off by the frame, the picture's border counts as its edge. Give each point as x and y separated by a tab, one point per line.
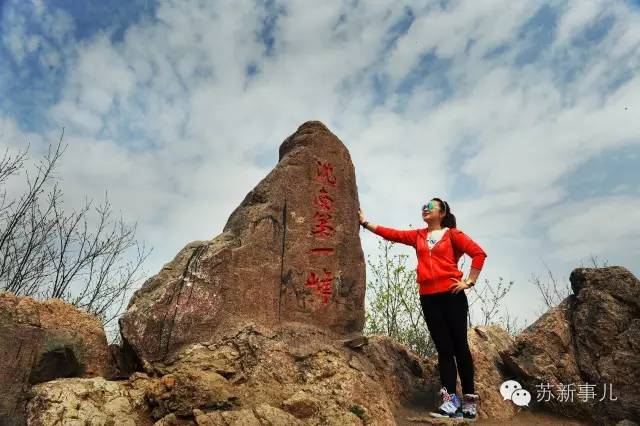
523	115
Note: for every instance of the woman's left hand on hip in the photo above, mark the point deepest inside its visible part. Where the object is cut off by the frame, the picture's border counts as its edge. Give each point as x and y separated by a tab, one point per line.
458	286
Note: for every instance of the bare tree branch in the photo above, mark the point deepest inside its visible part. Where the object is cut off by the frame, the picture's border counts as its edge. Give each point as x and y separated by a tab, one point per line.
552	291
490	299
46	253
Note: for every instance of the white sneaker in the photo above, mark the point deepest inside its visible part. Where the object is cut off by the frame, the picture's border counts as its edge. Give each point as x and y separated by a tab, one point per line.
450	406
469	405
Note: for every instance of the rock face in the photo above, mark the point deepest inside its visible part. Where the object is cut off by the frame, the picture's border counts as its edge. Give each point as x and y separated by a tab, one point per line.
297	376
581	357
290	252
93	401
41	341
606	327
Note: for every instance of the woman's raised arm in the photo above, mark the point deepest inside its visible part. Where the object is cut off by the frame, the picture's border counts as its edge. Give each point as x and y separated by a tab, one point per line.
408	237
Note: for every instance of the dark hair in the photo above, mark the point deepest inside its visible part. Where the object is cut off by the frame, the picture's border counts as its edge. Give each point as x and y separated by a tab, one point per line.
449	220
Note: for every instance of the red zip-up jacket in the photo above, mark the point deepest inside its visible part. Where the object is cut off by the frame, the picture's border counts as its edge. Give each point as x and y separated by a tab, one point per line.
437	267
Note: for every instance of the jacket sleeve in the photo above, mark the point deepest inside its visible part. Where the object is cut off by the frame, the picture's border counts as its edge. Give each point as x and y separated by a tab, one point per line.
471	248
407	237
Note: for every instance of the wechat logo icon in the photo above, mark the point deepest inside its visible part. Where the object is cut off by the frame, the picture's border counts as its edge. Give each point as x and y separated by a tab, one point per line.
513	390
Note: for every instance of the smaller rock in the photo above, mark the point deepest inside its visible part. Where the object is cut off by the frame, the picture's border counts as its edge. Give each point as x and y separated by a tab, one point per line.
168	420
42	341
169	381
185	390
244	417
275	416
482	332
88	401
356	343
301	405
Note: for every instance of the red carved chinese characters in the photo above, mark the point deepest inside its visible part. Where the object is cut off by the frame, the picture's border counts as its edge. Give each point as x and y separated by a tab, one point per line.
325	173
322	286
322	250
312	280
323	200
323	228
323	225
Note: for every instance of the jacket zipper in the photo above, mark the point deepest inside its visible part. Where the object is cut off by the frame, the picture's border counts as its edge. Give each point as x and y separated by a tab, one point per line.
429	248
430	265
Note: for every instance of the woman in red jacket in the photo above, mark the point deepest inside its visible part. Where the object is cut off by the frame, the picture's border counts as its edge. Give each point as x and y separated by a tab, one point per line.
444	303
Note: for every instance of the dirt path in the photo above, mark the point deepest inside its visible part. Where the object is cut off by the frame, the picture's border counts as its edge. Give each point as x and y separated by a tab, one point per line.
414	416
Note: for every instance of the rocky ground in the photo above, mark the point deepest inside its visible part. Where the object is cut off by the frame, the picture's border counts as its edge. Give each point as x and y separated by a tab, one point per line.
417	415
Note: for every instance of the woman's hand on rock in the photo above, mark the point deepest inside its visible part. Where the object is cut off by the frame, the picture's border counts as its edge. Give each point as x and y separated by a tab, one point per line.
360	216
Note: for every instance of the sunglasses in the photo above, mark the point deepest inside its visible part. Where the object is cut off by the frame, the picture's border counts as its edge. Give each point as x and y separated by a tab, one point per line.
431	206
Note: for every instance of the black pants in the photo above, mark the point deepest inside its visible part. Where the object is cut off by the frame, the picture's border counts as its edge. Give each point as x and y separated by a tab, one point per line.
446	317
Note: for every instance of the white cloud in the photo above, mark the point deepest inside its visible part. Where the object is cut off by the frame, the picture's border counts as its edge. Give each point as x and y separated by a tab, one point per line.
26	33
488	24
577	15
76	118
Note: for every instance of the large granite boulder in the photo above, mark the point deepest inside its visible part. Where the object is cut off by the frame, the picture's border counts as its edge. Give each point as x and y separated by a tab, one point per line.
294	376
606	328
580	359
544	356
289	253
41	341
262	324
